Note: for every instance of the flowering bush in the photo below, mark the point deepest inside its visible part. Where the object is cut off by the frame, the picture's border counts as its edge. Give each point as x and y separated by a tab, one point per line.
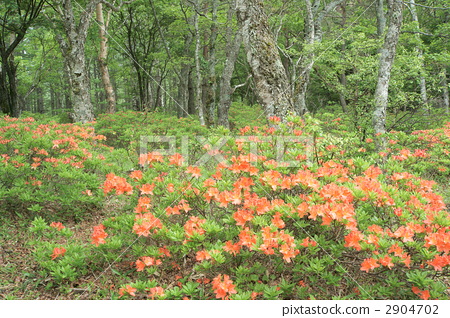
50	169
314	223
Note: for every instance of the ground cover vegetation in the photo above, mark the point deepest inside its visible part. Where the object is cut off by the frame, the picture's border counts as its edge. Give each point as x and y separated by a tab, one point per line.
238	149
344	222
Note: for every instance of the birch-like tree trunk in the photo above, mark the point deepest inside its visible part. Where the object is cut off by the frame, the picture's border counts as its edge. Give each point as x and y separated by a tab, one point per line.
198	71
271	82
211	83
102	58
315	15
422	80
72	43
381	18
387	56
232	51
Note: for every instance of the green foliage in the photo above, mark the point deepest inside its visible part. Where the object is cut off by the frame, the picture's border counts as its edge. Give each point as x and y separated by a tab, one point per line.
50	169
258	229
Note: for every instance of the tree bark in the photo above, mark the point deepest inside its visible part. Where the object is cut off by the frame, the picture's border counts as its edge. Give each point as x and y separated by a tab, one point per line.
103	56
15	21
381	18
384	73
72	45
210	83
445	94
232	51
422	80
313	34
198	71
271	83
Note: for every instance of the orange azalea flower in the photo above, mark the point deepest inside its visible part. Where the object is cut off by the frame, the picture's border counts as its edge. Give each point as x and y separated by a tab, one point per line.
397	250
353	239
194	171
136	175
99	235
439	261
156	291
288	252
308	242
368	264
193	225
386	261
57	225
243	216
277	221
127	290
224	287
140	265
246	238
144	223
147	188
58	251
172	210
119	184
184	205
170	187
423	294
176	159
232	248
163	251
211	193
202	255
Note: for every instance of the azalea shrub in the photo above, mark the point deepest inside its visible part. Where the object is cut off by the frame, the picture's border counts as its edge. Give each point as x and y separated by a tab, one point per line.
124	129
50	169
280	212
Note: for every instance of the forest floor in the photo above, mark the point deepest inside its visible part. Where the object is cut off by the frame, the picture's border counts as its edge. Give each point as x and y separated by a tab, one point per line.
19	274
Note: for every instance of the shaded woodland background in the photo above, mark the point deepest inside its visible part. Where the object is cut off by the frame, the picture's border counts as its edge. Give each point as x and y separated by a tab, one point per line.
194	57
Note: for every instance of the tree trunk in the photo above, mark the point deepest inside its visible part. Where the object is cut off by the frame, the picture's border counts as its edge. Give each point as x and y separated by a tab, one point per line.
313	34
445	96
381	18
191	94
72	47
209	82
40	100
384	73
16	18
422	80
232	52
198	71
271	83
342	77
102	58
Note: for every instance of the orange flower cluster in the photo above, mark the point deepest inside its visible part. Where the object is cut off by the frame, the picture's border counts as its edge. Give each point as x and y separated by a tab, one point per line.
423	294
182	206
223	288
57	225
155	291
99	235
149	158
146	222
194	225
117	183
146	261
58	251
127	290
